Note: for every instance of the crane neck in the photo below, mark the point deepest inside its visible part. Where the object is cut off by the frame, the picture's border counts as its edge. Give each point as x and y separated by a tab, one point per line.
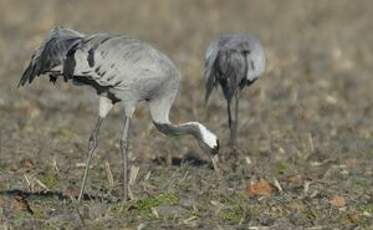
204	137
189	128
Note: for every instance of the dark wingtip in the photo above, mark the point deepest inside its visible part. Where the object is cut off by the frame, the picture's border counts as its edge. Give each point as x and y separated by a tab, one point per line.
25	76
29	75
20	83
209	86
208	93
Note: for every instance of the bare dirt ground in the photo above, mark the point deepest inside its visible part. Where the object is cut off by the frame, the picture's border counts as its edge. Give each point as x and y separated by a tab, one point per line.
306	128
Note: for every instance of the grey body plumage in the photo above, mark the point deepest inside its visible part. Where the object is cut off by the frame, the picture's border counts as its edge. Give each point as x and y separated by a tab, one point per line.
233	61
120	69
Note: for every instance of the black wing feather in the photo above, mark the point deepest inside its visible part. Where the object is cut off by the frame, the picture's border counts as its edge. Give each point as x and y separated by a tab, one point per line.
230	69
233	61
210	71
50	54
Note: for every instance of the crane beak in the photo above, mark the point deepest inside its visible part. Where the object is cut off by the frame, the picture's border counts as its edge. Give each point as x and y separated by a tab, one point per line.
214	161
213	155
215	158
215	150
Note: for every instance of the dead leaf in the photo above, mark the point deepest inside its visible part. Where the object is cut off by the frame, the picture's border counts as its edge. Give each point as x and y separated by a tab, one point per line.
71	192
337	201
28	163
260	188
296	179
20	204
354	217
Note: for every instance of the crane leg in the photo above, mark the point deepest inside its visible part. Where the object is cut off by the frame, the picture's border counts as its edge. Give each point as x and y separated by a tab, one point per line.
92	144
105	105
237	97
229	118
124	149
234	121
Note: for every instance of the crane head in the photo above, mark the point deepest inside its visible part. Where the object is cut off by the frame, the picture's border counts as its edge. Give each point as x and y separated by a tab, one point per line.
208	140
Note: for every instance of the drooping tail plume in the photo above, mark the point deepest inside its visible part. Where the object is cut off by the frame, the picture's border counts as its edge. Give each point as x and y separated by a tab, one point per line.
50	54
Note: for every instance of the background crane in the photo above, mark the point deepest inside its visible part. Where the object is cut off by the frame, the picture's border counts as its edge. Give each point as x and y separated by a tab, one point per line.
233	61
120	69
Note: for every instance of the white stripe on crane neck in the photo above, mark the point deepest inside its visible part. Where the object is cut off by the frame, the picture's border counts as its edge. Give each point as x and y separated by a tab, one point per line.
207	136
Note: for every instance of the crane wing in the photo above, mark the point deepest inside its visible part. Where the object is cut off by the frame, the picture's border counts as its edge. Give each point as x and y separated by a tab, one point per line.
255	58
80	59
50	55
210	72
233	61
98	61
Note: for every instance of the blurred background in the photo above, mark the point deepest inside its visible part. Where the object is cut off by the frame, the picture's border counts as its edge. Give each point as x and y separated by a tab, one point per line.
319	56
313	104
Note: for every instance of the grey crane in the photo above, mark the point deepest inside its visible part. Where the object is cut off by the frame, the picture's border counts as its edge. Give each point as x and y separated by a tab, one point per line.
233	61
120	69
